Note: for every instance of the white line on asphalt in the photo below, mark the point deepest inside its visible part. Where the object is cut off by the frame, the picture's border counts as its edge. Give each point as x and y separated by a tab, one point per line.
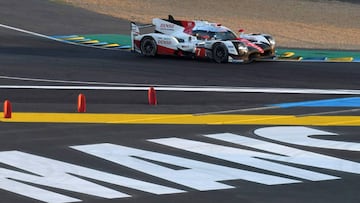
195	89
67	81
239	110
49	37
187	88
28	32
328	112
90	82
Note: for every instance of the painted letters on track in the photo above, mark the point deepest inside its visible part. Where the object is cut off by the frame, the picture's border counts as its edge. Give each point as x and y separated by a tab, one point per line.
275	159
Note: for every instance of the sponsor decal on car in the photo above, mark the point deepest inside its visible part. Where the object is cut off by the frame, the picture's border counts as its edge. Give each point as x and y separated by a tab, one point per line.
166	26
164	42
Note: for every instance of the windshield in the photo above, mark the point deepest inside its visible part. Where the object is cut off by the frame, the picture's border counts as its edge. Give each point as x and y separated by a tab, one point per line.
223	35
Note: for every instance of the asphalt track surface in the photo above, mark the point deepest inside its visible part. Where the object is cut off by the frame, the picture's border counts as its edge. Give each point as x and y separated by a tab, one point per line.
26	56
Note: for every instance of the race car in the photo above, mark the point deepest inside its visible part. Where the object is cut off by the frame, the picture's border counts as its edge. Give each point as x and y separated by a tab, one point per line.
200	39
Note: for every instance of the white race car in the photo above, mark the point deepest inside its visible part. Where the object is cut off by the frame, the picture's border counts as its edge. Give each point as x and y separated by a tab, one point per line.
200	39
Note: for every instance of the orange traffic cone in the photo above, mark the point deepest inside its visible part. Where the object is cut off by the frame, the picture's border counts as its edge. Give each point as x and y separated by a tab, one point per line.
152	96
81	103
7	109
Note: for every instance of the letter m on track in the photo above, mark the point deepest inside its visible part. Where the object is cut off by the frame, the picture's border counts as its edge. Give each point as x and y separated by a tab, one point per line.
40	171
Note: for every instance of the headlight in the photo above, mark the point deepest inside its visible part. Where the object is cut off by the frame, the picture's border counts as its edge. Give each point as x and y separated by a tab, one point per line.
271	40
242	46
242	49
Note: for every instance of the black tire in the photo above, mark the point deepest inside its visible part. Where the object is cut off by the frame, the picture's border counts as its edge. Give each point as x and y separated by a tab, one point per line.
148	46
220	53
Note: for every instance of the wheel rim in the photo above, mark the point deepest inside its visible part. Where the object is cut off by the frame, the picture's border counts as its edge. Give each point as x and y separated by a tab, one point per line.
220	54
148	48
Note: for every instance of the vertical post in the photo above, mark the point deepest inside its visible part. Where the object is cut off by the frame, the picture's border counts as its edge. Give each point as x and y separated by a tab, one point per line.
7	109
152	96
81	103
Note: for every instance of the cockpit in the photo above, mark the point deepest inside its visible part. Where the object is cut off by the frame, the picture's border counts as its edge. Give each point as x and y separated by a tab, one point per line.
220	34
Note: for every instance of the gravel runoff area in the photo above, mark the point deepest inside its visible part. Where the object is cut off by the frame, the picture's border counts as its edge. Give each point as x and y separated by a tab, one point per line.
325	24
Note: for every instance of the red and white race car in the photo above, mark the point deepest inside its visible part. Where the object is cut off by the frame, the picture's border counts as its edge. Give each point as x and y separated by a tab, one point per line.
200	39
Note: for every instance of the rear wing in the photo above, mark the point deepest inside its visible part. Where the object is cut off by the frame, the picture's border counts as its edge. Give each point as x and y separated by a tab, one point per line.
135	31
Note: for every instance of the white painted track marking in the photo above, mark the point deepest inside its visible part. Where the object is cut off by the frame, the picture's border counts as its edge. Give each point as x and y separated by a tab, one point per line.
96	85
196	174
293	155
29	32
301	136
242	156
239	110
329	112
171	87
195	89
50	38
57	174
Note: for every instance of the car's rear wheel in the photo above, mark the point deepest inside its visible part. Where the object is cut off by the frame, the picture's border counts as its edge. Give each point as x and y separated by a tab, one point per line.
220	53
148	46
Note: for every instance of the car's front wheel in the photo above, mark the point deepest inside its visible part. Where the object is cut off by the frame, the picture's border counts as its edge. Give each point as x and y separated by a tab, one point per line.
148	46
220	53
